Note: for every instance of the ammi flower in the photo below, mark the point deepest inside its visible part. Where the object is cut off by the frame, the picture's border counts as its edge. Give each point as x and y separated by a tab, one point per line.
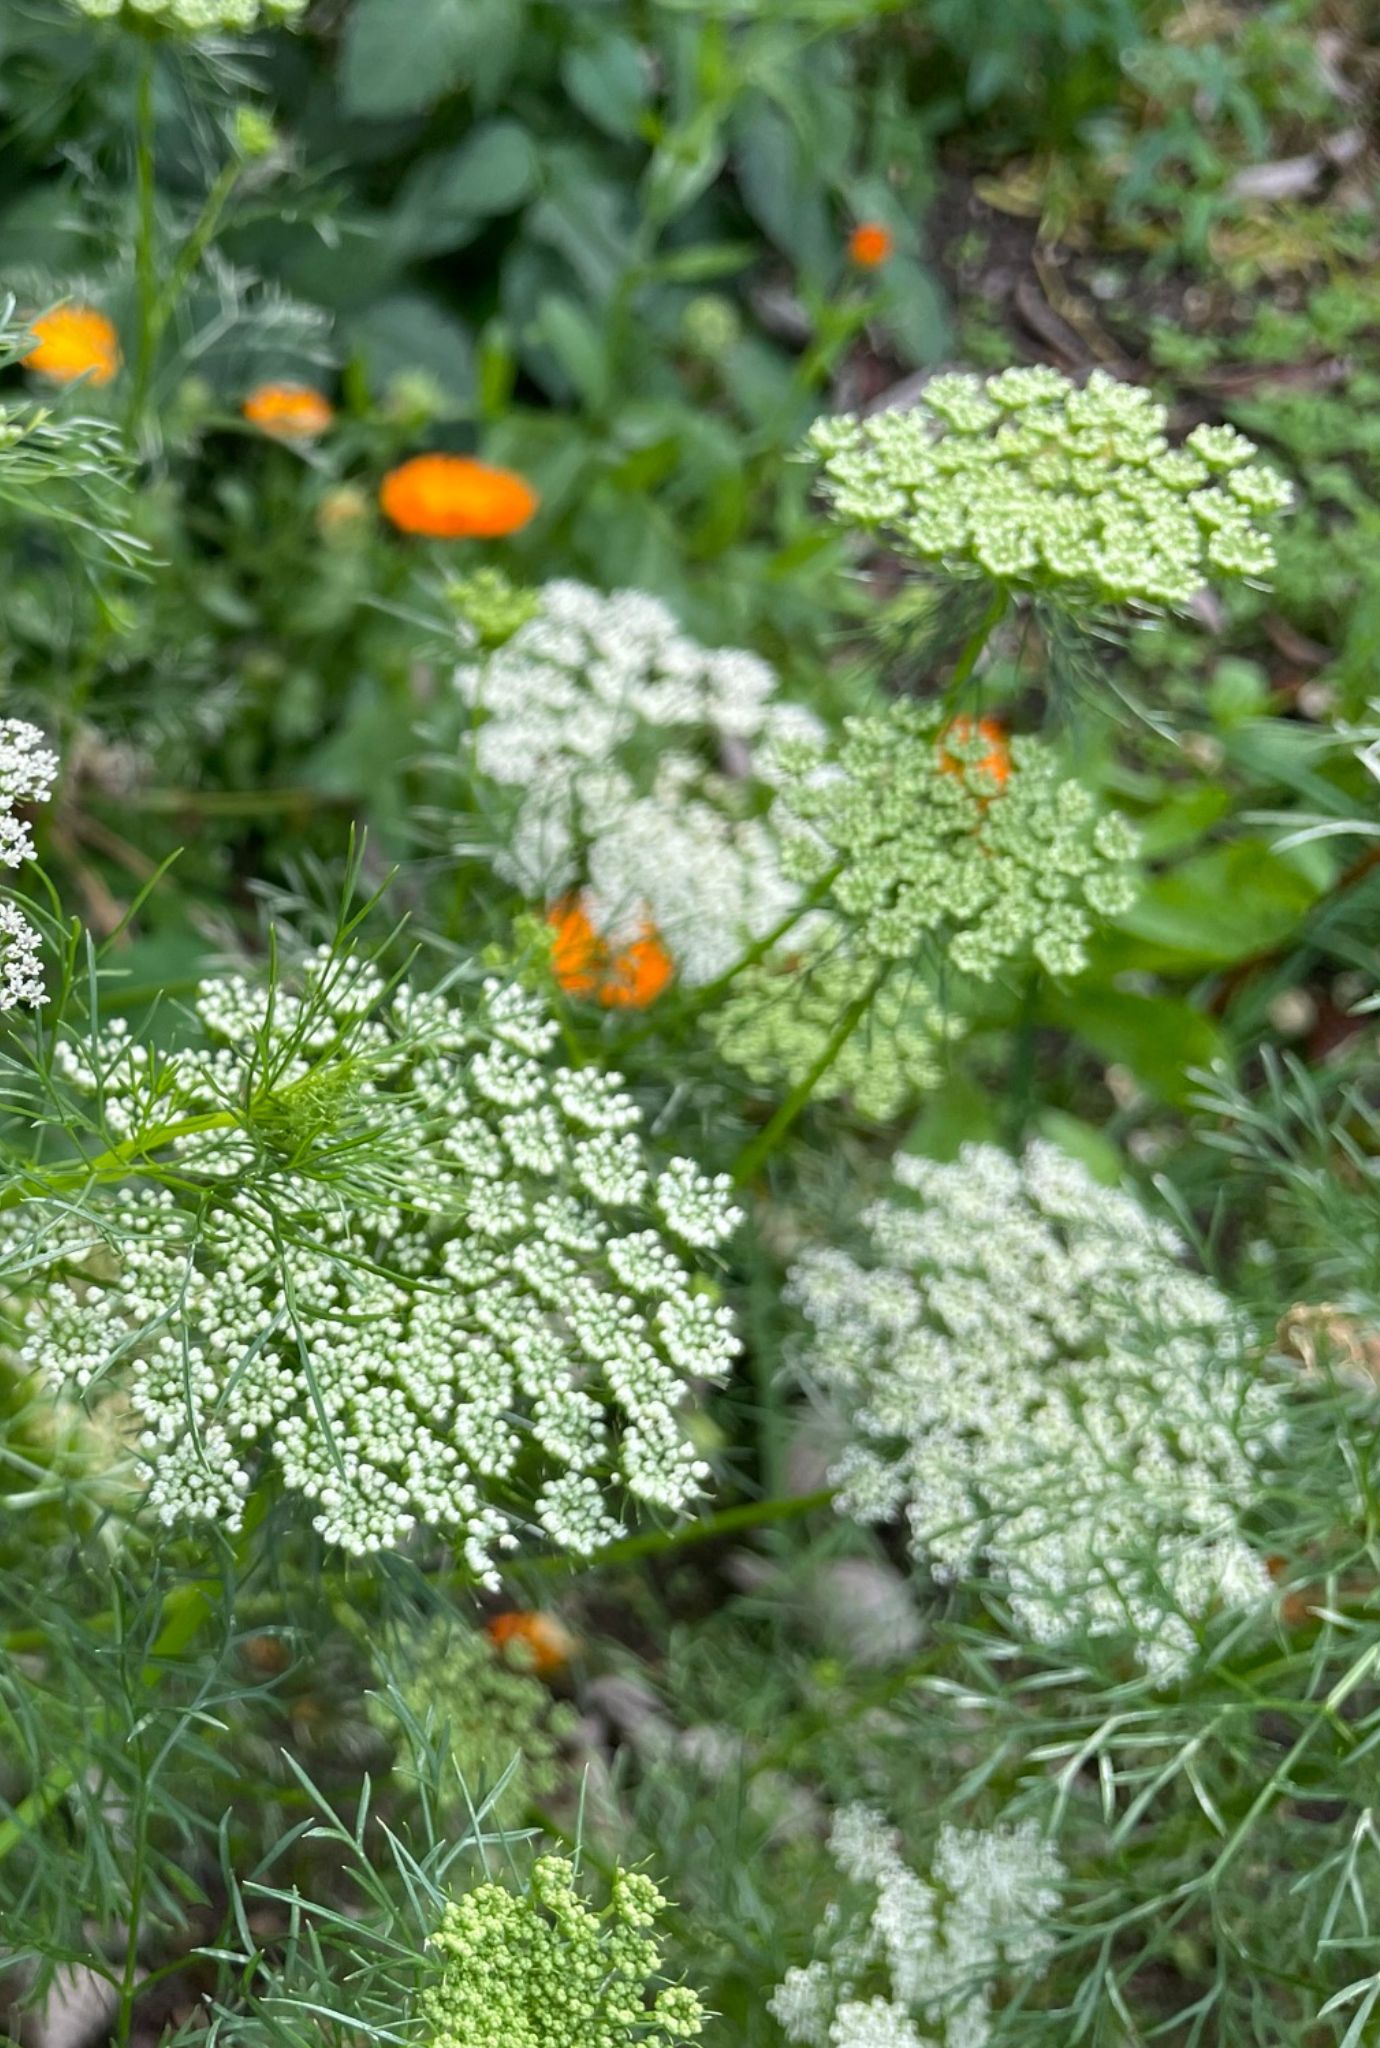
454	497
290	412
74	341
621	977
870	244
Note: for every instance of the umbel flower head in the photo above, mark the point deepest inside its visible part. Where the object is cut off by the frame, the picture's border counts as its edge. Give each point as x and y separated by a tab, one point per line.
912	831
492	1717
195	17
898	1947
778	1021
543	1969
1033	1379
74	341
429	1276
1069	491
27	773
610	725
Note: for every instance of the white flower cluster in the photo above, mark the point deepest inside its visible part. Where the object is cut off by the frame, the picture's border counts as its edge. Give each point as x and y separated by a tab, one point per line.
610	721
195	17
938	1943
1046	485
391	1246
1035	1380
27	773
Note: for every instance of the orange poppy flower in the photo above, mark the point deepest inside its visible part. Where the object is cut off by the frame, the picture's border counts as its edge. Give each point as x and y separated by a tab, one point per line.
627	977
870	244
996	762
290	412
543	1644
72	342
453	497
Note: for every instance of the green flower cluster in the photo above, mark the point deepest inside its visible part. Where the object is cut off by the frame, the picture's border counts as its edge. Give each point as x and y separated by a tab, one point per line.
1045	485
777	1026
194	17
909	830
490	1716
544	1970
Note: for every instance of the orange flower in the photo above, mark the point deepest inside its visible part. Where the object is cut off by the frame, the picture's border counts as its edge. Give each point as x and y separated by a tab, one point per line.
543	1644
996	762
870	244
75	341
620	977
453	497
290	412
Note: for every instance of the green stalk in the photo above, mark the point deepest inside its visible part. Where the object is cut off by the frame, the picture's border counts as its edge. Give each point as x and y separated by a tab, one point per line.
971	651
34	1184
767	1140
146	239
753	1514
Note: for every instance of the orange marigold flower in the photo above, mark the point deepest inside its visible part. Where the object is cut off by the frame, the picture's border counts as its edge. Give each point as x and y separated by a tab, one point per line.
996	762
542	1643
72	342
291	412
453	497
870	244
626	977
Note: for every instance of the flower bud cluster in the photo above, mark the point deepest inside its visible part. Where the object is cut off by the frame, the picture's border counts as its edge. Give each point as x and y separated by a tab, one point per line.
1072	491
938	1944
630	747
431	1276
543	1969
497	1722
1033	1379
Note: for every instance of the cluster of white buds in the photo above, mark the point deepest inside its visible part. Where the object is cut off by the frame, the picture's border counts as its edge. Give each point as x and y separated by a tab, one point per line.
27	774
383	1241
640	760
1042	485
1033	1379
899	1947
195	17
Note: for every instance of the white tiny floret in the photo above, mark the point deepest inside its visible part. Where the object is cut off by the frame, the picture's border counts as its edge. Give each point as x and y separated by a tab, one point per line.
195	17
612	727
28	770
419	1269
1034	1379
940	1942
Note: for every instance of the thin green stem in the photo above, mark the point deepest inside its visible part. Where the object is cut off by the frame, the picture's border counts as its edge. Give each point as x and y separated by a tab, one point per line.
767	1140
34	1184
146	239
753	1514
971	651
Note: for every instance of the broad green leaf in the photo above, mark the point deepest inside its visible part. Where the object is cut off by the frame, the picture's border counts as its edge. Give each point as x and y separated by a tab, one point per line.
1158	1038
1222	906
609	80
577	345
402	56
409	332
915	311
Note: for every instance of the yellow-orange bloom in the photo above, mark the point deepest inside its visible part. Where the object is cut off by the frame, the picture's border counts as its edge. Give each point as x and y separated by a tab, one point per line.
72	342
291	412
870	244
627	977
453	497
996	762
543	1644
